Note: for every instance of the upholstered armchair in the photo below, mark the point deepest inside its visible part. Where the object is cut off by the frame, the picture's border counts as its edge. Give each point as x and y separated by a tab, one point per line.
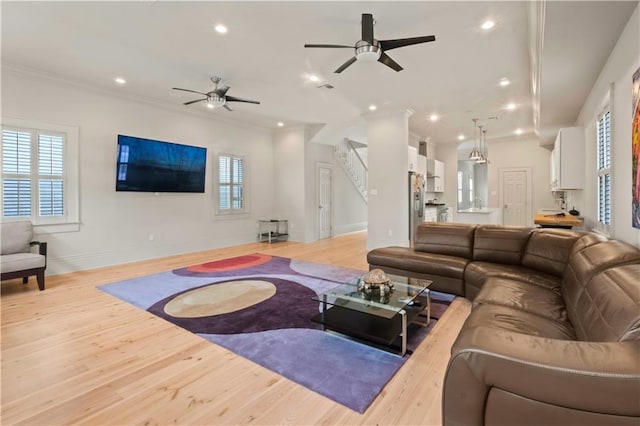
16	257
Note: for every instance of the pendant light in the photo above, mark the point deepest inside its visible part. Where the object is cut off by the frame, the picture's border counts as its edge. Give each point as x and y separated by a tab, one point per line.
475	154
483	158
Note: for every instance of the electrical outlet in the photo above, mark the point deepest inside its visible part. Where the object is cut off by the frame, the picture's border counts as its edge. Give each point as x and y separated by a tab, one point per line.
390	232
152	237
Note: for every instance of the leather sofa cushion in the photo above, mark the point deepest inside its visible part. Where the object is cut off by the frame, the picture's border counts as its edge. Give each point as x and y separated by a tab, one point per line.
500	244
523	297
609	307
517	321
477	273
451	239
548	250
407	259
587	240
582	267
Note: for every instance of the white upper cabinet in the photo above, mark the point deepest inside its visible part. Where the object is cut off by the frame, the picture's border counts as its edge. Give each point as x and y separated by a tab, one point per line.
413	159
422	165
435	175
567	160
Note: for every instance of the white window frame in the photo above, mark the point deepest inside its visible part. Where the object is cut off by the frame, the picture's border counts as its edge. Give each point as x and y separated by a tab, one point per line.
231	212
601	226
70	220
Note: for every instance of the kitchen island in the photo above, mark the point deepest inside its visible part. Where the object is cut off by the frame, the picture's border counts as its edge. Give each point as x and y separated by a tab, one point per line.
483	216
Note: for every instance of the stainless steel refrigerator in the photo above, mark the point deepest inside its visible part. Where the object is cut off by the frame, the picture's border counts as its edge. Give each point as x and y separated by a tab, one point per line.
416	203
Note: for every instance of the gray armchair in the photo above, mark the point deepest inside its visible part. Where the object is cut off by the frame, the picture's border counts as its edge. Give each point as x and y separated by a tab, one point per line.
16	258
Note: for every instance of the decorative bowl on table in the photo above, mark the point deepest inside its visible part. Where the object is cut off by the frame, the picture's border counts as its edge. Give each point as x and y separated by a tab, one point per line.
375	281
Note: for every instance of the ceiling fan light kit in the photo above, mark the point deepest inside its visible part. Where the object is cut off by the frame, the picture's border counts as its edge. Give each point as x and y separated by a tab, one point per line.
368	49
217	97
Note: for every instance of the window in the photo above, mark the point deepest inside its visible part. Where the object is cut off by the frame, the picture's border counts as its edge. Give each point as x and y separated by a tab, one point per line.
471	190
460	174
32	173
40	174
231	184
604	171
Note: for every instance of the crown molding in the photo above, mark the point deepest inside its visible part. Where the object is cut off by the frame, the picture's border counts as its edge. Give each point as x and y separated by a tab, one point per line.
144	100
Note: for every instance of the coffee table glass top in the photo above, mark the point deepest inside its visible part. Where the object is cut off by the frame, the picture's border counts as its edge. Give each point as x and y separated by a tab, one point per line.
403	296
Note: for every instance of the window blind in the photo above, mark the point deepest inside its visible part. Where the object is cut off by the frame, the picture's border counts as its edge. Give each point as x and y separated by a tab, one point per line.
231	172
604	169
33	173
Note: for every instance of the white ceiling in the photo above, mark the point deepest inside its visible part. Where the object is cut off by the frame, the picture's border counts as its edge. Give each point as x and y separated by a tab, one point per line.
158	45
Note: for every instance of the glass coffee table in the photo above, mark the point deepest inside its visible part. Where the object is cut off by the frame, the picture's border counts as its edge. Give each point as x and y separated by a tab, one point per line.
372	318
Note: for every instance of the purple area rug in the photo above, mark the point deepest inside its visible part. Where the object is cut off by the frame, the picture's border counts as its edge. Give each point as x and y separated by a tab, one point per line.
260	307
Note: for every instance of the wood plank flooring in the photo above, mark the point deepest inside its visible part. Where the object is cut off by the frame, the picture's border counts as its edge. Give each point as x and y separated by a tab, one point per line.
74	355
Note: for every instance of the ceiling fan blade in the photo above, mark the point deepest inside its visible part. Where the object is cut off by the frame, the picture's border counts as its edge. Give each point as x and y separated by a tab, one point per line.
193	102
367	27
402	42
222	91
345	65
187	90
385	59
234	99
225	106
329	46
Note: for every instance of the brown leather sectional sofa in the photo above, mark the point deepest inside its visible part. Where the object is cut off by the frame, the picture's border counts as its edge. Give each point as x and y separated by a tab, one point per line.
554	333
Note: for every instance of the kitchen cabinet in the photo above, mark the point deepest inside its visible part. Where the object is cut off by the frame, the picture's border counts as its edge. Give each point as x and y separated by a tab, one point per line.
413	159
567	160
430	214
422	165
435	175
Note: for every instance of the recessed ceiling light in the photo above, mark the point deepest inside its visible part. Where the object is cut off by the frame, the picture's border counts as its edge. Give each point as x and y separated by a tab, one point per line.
504	82
221	29
120	80
209	105
280	124
487	25
372	107
518	131
314	78
461	137
434	117
511	106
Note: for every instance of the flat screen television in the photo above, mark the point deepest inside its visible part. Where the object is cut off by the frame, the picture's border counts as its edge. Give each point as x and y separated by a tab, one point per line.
146	165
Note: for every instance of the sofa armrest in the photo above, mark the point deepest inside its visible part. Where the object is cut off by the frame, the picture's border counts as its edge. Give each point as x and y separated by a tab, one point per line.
596	377
42	249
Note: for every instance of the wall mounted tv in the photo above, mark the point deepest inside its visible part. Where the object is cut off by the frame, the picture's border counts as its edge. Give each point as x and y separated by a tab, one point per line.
146	165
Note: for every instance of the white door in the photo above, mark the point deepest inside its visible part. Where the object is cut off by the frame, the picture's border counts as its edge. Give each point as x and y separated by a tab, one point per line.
325	196
515	191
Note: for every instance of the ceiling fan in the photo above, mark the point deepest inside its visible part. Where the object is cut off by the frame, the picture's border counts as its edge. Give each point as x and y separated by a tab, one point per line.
370	49
217	97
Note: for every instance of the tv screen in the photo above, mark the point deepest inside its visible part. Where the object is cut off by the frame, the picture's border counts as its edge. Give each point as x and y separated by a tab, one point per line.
147	165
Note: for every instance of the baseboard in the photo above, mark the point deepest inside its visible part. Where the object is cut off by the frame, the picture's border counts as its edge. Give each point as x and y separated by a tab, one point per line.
350	227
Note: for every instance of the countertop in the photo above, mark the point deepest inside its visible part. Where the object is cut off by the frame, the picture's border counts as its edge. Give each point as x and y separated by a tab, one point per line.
483	210
553	219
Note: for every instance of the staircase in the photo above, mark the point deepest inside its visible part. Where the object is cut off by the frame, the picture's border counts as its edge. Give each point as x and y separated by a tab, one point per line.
347	156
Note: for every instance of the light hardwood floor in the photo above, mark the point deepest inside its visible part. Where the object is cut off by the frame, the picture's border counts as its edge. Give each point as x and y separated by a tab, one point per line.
74	355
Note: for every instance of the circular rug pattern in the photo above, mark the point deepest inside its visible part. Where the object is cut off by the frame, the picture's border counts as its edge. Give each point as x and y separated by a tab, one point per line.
219	299
234	263
290	306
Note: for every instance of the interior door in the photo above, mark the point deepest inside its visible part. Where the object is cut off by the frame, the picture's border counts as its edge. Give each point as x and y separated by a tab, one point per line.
515	197
325	200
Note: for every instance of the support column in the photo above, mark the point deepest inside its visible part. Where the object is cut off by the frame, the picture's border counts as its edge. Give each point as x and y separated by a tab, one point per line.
388	205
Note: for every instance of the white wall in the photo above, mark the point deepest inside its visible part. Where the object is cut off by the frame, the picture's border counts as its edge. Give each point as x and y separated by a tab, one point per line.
289	178
521	152
619	68
388	206
115	226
